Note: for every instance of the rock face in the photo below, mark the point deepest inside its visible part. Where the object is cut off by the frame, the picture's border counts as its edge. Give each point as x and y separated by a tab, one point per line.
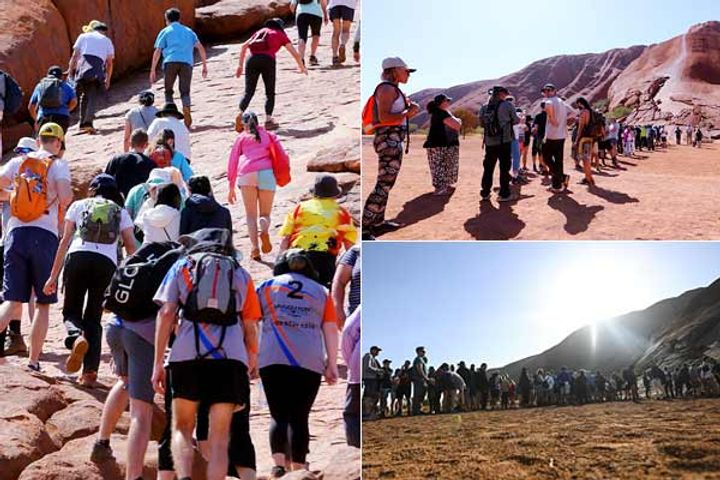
670	332
589	75
233	18
23	440
677	80
336	159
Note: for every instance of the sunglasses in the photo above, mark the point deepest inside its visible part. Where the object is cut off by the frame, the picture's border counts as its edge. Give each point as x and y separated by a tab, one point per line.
23	151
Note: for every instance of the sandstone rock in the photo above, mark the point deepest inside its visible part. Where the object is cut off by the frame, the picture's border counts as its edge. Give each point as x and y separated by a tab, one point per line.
78	420
341	158
345	465
26	391
72	462
233	18
23	440
301	475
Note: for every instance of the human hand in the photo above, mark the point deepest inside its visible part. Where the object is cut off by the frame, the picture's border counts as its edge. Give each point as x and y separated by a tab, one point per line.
239	71
232	196
50	286
331	373
153	76
204	71
107	83
158	379
252	366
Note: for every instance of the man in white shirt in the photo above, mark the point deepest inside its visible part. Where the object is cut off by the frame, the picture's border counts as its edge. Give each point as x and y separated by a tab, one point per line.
169	117
30	245
555	134
91	65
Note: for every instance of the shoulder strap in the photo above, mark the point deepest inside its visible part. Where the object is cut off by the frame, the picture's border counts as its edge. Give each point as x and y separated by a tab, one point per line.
147	125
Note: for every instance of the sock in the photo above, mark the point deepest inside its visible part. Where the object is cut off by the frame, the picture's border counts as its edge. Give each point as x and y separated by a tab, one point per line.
15	326
264	224
344	37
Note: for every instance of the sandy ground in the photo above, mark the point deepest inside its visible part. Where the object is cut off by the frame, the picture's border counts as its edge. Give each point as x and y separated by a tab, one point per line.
310	118
664	195
653	440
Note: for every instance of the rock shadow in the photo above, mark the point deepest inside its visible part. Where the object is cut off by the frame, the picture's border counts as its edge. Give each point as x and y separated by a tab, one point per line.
577	216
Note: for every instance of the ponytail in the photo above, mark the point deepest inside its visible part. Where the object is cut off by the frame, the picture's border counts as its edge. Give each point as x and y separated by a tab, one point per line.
251	122
432	107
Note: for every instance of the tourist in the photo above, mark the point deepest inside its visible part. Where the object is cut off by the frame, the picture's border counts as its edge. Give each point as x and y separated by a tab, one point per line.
131	168
167	139
698	138
613	135
587	139
420	380
525	146
91	66
342	14
497	118
170	119
309	15
201	210
139	117
678	135
443	145
555	134
689	134
351	354
389	116
177	43
263	46
371	374
52	100
161	222
348	271
404	388
538	133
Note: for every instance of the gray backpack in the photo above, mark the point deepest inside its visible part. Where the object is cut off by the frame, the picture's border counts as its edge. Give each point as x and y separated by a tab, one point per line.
100	221
50	94
211	298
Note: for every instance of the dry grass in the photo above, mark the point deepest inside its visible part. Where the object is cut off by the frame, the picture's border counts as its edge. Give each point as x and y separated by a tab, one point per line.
656	440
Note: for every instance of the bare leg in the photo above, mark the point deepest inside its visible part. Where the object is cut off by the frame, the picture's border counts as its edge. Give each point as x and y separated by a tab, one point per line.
336	37
115	404
314	45
9	311
218	440
138	437
184	413
38	331
301	48
265	201
250	200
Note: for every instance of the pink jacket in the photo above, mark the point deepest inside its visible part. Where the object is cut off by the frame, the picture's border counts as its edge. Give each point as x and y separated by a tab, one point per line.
248	155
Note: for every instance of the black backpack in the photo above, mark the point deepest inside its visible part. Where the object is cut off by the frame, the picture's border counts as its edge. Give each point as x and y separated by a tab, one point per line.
50	93
596	127
306	2
13	94
489	119
135	282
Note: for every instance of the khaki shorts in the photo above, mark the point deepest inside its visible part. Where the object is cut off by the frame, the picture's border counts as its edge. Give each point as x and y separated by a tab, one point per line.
587	148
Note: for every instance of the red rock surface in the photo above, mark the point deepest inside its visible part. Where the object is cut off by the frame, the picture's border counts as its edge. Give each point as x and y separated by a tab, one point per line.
23	440
232	18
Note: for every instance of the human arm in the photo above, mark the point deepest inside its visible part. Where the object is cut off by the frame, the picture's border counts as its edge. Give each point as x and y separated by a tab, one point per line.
298	59
551	119
330	335
324	5
32	110
72	65
284	243
453	122
581	126
241	61
350	339
72	104
386	96
203	58
126	136
232	170
68	233
166	320
128	238
154	64
109	62
343	275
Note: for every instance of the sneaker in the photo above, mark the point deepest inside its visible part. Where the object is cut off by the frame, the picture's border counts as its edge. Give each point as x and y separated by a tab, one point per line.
277	472
35	367
336	61
271	125
15	345
75	360
88	379
341	54
314	61
508	198
101	452
188	117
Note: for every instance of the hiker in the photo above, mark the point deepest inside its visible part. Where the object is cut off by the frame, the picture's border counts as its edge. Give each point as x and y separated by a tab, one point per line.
356	43
689	134
139	195
613	134
133	167
371	374
91	66
350	343
264	45
348	270
250	167
321	227
590	129
11	339
89	260
202	210
387	115
525	388
167	139
518	129
483	386
420	380
170	118
161	222
525	146
386	389
31	239
678	135
629	139
497	118
464	372
52	100
404	387
309	15
342	14
698	138
538	134
177	43
443	145
139	117
215	351
555	134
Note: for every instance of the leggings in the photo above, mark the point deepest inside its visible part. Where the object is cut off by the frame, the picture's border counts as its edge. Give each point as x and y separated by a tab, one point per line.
255	67
290	393
388	143
87	274
444	165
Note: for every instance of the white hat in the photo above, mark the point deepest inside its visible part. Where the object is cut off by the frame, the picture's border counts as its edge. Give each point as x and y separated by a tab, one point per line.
159	175
396	62
26	143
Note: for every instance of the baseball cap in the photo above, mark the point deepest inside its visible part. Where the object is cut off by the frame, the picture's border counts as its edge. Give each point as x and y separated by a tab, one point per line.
55	71
441	98
375	347
52	130
549	86
26	145
396	62
499	89
103	180
98	25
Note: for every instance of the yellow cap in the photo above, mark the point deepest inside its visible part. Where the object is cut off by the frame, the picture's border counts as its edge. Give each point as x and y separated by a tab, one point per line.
91	26
52	130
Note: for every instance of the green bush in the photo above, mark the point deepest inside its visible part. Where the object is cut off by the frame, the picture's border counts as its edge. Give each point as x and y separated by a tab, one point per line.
620	111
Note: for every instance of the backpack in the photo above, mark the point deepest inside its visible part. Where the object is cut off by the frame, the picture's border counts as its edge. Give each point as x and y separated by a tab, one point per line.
596	126
100	221
50	93
489	119
306	2
28	200
259	43
280	163
370	116
134	283
211	299
13	98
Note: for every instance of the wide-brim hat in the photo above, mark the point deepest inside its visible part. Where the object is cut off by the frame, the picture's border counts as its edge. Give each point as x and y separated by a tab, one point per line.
170	110
26	145
326	186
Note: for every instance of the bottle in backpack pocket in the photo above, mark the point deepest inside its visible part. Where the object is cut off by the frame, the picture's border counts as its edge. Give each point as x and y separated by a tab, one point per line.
100	222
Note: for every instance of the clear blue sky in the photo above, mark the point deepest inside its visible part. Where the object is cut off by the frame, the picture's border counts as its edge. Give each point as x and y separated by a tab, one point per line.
459	41
499	302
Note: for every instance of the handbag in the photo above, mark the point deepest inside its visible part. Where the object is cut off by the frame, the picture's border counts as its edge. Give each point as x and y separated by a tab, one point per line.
280	163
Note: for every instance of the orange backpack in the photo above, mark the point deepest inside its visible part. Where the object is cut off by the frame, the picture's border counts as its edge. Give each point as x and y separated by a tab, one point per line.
28	200
370	116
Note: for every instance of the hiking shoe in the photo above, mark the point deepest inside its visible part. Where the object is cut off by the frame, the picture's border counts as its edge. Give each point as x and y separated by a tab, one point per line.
266	244
484	197
336	61
508	198
277	472
75	360
314	61
101	452
239	127
341	54
188	117
271	125
88	380
15	345
35	367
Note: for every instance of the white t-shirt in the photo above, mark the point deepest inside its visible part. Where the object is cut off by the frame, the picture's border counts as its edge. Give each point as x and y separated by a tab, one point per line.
96	44
182	135
342	3
561	111
74	214
519	129
58	171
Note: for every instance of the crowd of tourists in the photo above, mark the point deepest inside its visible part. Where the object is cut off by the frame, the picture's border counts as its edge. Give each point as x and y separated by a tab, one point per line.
151	245
415	388
511	134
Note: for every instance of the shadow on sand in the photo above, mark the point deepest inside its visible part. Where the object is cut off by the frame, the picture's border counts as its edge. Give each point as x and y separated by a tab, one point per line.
577	216
421	208
496	223
612	196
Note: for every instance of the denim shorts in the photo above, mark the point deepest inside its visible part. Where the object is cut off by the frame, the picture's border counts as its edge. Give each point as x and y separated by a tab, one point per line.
262	179
29	256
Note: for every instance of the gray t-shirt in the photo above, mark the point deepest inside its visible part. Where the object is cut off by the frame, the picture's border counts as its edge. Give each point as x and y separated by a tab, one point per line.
507	117
455	380
422	362
141	117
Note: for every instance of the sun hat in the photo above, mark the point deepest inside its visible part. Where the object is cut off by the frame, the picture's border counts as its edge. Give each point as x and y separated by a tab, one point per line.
26	145
170	109
51	129
326	186
396	62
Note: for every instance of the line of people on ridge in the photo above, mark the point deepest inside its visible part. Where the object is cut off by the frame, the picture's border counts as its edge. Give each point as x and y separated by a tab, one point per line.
416	389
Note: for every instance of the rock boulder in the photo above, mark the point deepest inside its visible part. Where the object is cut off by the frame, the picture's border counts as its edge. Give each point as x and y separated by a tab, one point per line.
29	392
229	19
23	440
336	159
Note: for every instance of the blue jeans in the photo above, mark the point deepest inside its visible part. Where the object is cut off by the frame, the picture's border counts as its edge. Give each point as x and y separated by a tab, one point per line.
515	149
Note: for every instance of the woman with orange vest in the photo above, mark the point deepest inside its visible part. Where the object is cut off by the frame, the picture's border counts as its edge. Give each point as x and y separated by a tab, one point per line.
387	115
